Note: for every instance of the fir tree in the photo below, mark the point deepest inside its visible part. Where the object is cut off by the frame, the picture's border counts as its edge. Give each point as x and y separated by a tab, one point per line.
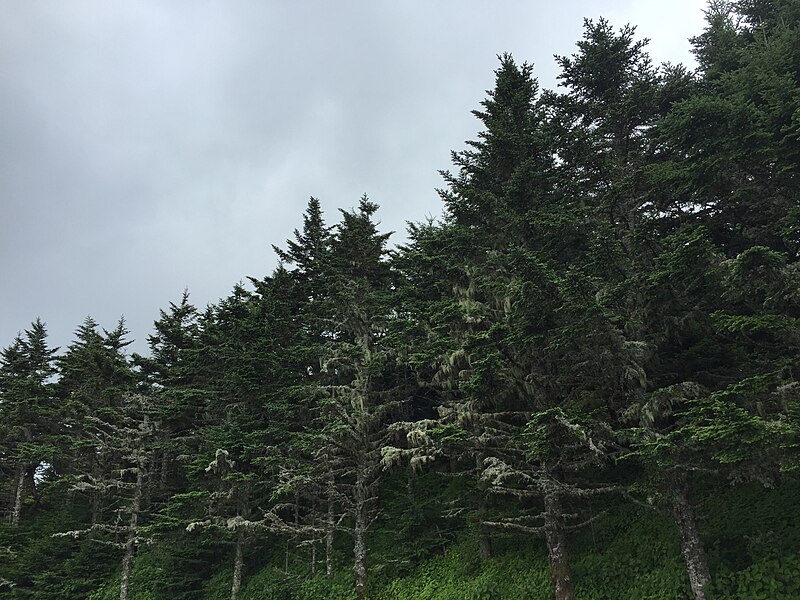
30	413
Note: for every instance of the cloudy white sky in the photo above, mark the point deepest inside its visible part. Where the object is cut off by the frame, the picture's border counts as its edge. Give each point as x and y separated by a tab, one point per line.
154	145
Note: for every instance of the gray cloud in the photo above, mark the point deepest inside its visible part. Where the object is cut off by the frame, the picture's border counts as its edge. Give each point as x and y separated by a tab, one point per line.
148	146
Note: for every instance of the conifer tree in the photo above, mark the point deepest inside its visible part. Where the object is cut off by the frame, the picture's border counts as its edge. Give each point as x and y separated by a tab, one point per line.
716	387
359	389
735	142
127	433
309	256
174	375
95	376
522	307
29	412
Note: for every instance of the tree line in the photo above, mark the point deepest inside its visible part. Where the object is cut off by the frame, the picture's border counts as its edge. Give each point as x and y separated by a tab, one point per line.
605	313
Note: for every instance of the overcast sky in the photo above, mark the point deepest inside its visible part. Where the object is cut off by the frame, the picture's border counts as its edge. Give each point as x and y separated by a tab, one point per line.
151	145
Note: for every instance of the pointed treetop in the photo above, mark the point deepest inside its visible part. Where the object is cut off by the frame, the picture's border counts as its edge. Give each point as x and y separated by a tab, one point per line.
606	64
115	339
39	355
309	246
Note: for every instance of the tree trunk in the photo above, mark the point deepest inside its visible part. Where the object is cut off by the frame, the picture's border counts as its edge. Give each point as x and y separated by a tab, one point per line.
127	565
484	541
96	494
694	555
329	538
133	523
238	564
97	507
359	534
19	496
560	573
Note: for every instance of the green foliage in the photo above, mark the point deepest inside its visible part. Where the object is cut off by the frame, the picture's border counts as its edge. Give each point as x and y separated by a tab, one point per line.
43	567
760	559
461	574
771	579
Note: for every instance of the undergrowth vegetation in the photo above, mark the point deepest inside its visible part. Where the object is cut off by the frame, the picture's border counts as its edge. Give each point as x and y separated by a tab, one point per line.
630	553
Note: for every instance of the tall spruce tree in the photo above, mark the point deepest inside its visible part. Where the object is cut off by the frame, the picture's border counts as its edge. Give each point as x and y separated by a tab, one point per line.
736	141
309	255
30	413
112	434
127	433
523	331
240	444
95	377
359	391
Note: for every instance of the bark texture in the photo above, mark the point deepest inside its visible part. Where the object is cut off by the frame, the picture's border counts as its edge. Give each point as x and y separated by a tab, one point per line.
694	554
359	533
329	539
238	565
484	541
97	497
19	496
560	573
130	542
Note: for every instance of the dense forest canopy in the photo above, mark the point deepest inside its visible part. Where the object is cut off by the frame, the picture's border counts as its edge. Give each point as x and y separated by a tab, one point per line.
581	381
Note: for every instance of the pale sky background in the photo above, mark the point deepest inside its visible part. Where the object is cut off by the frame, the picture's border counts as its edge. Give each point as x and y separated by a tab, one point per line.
151	145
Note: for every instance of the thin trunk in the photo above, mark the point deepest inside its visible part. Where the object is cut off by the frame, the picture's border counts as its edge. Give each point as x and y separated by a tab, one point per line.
315	510
19	496
484	541
329	538
238	564
133	523
694	555
96	494
560	573
96	507
359	533
22	474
